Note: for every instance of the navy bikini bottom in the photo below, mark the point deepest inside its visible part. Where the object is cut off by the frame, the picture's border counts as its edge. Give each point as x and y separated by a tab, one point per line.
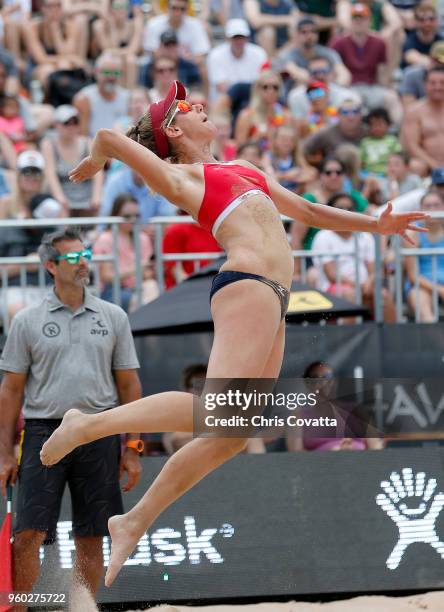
226	278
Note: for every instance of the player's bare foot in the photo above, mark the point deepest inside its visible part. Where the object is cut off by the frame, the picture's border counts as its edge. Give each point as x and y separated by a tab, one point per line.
69	435
125	533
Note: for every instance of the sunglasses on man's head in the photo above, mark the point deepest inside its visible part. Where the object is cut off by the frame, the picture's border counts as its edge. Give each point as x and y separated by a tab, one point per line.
350	111
74	257
111	73
182	107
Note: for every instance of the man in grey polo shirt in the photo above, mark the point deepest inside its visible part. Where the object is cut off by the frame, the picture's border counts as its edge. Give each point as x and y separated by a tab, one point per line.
72	350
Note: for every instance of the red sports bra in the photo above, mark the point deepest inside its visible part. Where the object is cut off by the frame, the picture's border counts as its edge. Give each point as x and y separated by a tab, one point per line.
227	186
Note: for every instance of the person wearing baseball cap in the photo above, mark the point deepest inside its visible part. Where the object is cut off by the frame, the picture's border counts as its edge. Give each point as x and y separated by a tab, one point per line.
360	10
29	180
30	160
241	207
234	61
367	57
321	112
59	149
169	48
65	113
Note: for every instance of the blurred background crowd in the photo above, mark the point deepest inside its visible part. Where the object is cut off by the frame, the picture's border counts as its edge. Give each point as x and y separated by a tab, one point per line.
341	101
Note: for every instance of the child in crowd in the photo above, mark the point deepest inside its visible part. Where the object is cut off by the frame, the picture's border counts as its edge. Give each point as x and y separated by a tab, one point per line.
224	148
399	179
251	151
376	148
285	160
11	122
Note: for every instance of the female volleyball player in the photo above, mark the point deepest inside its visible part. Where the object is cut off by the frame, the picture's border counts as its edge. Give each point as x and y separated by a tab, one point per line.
241	207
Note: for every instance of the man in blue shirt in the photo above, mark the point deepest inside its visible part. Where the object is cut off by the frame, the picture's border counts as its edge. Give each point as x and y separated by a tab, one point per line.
126	181
416	49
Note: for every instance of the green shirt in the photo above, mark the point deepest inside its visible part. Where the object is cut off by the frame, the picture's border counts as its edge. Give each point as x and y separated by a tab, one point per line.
361	204
376	151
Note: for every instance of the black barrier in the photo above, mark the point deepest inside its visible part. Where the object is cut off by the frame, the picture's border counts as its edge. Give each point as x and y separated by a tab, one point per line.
284	525
376	351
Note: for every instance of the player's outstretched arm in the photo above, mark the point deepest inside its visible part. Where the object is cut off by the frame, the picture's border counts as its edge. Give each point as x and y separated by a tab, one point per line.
162	177
327	217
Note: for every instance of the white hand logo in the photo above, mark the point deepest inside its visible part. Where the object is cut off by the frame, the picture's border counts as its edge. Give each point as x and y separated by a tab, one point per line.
405	501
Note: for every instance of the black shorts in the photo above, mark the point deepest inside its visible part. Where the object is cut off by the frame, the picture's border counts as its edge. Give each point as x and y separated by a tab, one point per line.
92	474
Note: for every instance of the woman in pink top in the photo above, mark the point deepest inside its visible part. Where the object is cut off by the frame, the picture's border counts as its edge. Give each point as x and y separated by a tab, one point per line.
124	206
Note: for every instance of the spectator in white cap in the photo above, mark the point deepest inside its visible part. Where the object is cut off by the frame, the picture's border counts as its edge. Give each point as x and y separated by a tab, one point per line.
62	151
235	61
29	182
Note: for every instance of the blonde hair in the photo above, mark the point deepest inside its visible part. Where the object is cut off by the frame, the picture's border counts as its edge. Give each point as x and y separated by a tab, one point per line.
256	104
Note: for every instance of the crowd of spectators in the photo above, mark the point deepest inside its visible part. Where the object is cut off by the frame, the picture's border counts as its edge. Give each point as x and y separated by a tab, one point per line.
341	101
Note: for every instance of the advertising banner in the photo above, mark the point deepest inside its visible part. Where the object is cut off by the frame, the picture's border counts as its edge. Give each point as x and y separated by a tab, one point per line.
283	524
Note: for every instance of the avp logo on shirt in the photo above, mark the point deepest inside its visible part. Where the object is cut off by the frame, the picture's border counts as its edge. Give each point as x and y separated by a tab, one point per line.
99	328
51	329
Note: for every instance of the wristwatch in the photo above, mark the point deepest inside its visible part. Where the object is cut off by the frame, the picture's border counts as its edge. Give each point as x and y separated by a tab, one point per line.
137	445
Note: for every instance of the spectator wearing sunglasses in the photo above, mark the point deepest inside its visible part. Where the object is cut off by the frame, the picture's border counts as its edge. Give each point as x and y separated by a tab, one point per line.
126	206
412	86
320	69
188	72
332	180
29	181
100	105
265	112
295	58
321	113
163	73
416	49
349	129
62	151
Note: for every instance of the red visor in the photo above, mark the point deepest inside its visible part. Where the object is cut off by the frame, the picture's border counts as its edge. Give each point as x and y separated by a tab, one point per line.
158	112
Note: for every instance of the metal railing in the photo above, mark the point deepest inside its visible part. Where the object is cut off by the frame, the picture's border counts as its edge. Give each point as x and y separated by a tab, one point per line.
159	223
24	263
400	276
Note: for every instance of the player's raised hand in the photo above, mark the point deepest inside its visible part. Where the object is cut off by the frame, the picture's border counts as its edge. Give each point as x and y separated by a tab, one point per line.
399	223
85	170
